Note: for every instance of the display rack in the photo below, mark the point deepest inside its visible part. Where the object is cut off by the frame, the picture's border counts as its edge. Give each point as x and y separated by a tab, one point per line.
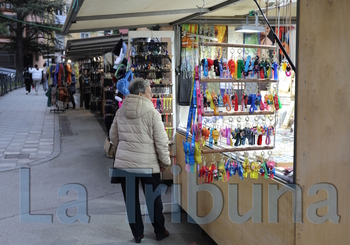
235	45
162	89
160	86
241	82
223	80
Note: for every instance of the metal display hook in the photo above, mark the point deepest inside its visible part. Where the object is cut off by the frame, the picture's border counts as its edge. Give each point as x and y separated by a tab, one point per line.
202	6
277	39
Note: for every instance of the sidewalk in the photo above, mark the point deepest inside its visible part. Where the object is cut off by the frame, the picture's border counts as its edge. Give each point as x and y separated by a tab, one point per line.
27	129
76	158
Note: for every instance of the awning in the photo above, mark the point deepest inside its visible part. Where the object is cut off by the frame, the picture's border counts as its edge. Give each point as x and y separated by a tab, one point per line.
97	15
89	47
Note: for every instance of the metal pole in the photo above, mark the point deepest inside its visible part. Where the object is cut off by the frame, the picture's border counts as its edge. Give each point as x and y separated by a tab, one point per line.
278	40
47	65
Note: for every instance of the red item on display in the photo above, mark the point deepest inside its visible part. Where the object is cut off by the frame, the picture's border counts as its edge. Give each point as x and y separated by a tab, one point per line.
210	63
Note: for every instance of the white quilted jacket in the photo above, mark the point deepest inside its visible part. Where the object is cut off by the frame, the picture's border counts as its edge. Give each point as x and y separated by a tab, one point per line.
140	137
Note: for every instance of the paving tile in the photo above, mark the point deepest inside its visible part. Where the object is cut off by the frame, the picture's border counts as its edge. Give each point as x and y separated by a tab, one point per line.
35	132
45	143
46	146
46	140
44	152
31	150
30	147
3	161
13	149
7	165
23	161
11	152
32	141
16	144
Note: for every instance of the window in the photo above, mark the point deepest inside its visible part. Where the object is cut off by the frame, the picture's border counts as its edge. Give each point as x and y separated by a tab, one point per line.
84	35
59	12
6	5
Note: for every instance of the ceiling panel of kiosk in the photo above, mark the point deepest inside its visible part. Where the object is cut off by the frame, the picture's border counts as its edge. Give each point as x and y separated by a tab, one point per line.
93	15
107	7
244	8
111	24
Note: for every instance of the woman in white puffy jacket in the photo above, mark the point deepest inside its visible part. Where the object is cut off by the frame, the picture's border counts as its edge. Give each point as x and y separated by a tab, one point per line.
37	76
142	150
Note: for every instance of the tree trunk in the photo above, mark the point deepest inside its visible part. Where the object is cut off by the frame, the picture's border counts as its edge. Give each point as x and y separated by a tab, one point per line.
19	48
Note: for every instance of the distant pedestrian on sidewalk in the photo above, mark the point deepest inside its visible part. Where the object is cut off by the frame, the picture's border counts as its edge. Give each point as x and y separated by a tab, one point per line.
142	149
27	79
37	76
45	78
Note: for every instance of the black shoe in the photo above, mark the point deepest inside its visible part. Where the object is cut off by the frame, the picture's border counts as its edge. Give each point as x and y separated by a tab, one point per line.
162	236
139	238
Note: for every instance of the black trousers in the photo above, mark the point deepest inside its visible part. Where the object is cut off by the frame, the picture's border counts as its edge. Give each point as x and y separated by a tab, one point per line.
71	97
81	87
154	206
28	84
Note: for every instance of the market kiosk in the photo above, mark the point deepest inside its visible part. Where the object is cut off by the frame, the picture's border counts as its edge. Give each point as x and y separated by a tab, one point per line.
320	145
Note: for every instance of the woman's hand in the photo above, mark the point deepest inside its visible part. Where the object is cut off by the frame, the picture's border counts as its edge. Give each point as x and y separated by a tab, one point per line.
162	169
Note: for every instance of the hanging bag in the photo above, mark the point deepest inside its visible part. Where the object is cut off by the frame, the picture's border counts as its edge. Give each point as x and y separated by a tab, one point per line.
123	84
109	148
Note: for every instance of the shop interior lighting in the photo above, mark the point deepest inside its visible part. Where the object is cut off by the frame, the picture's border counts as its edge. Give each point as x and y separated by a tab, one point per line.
250	28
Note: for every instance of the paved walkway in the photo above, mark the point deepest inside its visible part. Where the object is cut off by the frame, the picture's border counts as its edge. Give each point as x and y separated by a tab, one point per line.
29	135
27	129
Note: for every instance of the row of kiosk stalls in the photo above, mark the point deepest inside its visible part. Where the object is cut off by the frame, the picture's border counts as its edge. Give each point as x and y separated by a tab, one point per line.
92	72
146	54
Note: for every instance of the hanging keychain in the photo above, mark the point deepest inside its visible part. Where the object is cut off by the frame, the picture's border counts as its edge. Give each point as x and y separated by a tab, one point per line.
203	171
213	168
216	135
228	169
275	70
229	132
209	99
271	127
254	168
263	168
246	66
271	166
215	102
239	168
220	101
226	101
268	69
246	165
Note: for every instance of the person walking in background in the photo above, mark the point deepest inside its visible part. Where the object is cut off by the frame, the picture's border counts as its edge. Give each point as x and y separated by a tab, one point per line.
27	79
37	76
45	78
72	89
81	88
138	133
